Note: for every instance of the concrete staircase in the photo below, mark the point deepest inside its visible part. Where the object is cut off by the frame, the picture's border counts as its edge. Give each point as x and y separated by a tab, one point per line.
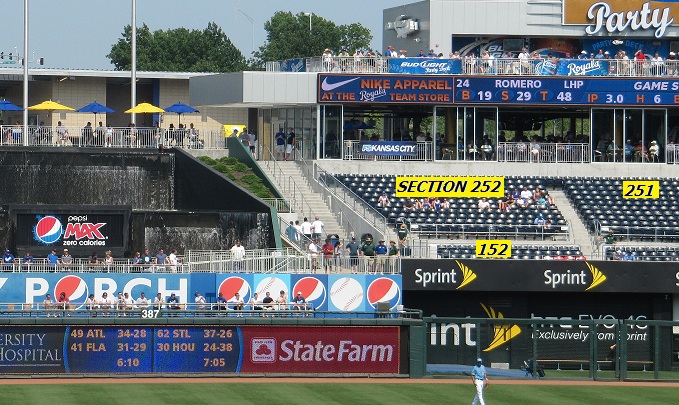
578	230
292	184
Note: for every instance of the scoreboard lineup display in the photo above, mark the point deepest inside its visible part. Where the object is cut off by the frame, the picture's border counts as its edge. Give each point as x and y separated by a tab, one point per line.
206	349
566	91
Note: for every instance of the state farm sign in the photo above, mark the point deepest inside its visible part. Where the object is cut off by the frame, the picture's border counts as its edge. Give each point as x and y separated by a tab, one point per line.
323	349
616	16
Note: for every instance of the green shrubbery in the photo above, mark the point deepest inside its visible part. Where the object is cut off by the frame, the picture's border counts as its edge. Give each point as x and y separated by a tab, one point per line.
239	173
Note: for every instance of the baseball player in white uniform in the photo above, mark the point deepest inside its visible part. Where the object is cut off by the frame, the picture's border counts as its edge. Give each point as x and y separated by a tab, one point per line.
480	381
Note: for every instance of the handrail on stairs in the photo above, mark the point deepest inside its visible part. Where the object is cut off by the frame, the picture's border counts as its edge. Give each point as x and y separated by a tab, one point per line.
288	187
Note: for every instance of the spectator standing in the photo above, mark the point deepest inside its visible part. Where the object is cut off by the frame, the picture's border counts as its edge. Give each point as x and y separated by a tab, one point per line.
306	228
66	260
317	228
352	249
337	253
290	145
291	233
161	259
27	261
173	261
381	256
7	260
238	256
393	254
368	252
328	251
280	144
253	143
314	250
402	234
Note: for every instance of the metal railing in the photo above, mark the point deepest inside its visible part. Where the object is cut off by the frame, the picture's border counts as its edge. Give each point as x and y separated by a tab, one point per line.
164	309
117	137
361	216
532	66
424	151
474	231
542	152
295	195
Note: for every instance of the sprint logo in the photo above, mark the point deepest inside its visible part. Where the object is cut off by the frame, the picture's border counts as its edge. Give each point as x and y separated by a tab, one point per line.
467	275
502	333
597	277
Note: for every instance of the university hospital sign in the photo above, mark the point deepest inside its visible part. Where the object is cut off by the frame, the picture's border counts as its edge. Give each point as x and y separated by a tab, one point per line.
617	16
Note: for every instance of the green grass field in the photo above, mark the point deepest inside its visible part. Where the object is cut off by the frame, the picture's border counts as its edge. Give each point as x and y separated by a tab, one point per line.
330	393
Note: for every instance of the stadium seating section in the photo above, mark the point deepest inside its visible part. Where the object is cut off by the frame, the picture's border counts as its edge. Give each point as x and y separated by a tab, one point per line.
463	219
527	252
646	253
600	204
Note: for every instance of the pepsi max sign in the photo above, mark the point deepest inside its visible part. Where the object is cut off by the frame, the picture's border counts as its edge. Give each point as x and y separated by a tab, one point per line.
82	232
50	230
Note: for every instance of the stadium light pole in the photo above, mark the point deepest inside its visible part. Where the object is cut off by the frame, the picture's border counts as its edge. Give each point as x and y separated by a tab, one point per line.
252	23
133	69
25	112
309	15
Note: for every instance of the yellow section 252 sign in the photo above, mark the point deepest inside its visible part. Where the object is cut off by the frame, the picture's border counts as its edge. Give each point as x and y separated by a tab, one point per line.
450	186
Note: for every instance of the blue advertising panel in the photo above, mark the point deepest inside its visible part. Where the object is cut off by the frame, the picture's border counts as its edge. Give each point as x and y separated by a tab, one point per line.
566	91
31	288
293	65
351	292
582	67
384	89
425	66
388	148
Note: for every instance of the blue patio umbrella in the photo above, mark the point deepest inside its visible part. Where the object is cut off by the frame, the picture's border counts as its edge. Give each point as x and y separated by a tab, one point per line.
179	109
9	106
95	108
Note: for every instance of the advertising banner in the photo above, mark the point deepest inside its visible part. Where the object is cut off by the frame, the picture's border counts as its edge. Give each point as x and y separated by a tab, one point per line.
583	67
425	66
293	65
388	148
208	349
616	16
539	276
82	230
384	89
324	292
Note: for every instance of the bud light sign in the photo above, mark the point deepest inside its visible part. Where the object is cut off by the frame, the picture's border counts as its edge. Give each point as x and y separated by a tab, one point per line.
88	231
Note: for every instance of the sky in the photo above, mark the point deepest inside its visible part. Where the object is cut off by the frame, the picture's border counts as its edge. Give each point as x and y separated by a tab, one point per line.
78	34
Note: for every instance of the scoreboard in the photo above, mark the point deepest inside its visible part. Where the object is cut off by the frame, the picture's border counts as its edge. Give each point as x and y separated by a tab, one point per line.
536	90
205	349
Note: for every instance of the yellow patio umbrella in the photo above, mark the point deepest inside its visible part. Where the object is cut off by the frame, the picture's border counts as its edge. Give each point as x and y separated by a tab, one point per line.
50	105
144	108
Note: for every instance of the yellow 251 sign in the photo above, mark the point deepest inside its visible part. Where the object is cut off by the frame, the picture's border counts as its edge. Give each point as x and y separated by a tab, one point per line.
641	189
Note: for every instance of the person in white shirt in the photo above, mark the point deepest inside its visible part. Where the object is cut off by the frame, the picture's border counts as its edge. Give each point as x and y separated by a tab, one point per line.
200	302
484	205
526	194
306	228
238	255
236	303
173	261
158	302
317	228
142	302
129	302
91	303
524	60
105	303
255	303
314	251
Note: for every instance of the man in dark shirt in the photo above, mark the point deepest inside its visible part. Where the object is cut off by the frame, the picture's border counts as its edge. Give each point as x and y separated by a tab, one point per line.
290	147
173	303
161	259
352	249
268	302
368	252
280	144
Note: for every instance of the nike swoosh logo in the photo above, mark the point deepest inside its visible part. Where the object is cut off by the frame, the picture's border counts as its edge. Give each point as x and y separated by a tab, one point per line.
332	86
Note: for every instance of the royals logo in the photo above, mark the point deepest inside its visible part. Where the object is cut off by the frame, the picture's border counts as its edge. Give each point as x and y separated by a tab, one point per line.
48	230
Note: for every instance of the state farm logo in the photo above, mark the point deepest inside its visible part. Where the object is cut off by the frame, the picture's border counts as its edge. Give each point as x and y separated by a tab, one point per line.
263	350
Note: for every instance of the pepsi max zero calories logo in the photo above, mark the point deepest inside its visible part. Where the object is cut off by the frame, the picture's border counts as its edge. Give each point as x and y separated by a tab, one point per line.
79	230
